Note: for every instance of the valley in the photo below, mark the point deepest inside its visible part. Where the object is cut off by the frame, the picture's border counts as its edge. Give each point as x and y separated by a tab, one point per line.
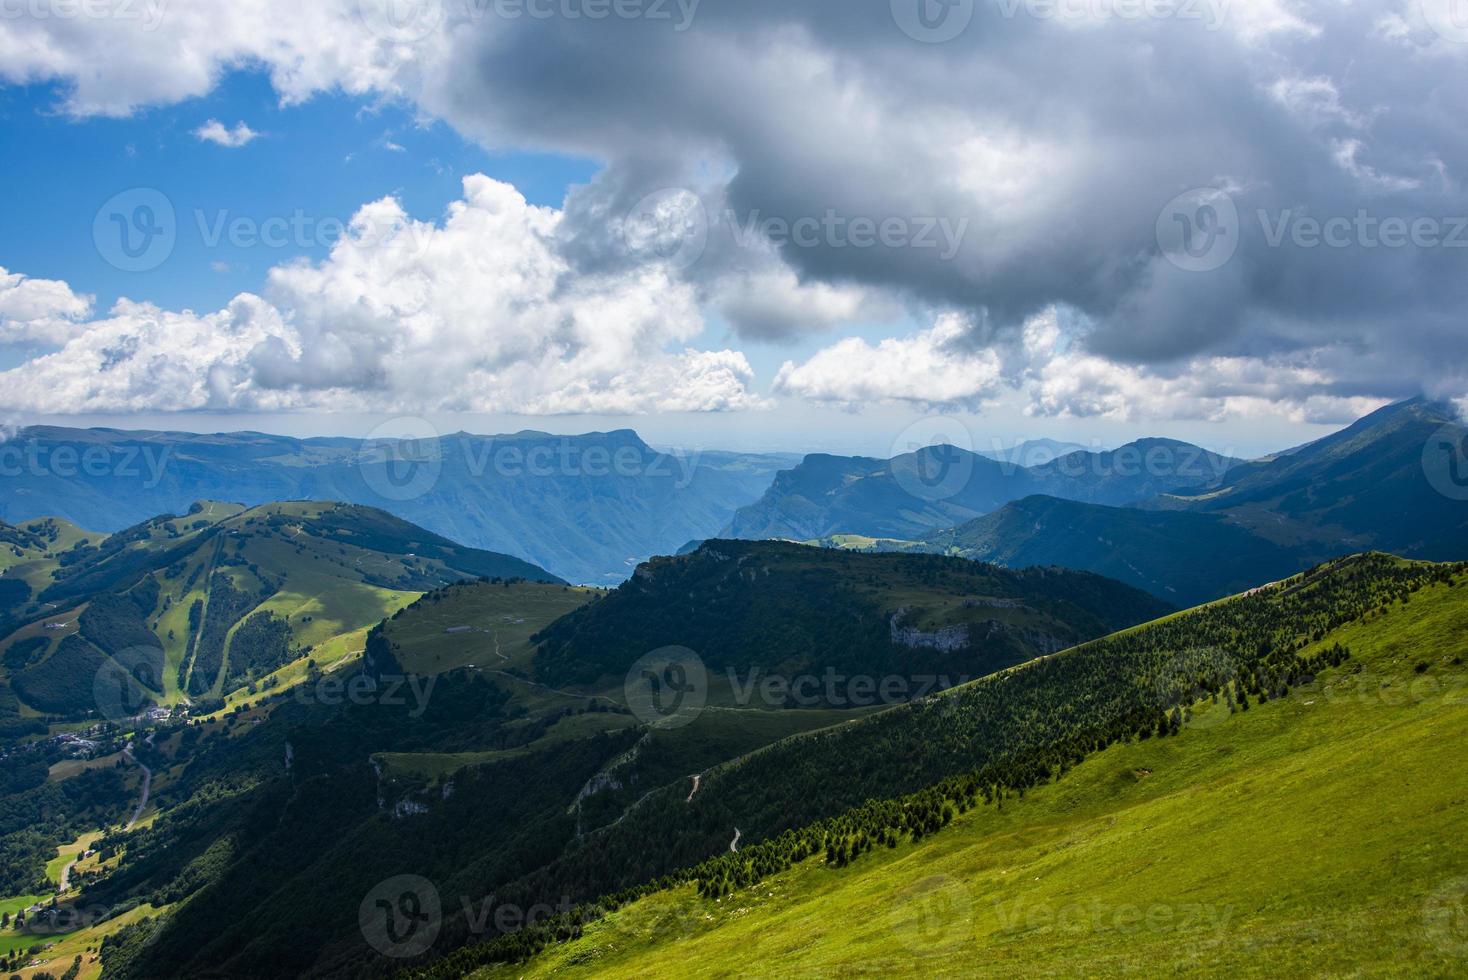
1028	738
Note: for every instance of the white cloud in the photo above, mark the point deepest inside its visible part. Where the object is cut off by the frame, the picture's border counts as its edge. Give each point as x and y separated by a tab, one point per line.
215	131
1050	374
927	369
1062	380
39	310
477	313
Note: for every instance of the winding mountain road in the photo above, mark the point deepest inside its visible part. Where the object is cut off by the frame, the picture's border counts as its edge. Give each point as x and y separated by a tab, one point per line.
65	882
147	786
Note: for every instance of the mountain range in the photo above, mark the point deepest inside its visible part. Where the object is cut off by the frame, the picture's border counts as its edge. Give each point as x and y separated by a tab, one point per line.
760	755
940	487
587	508
1374	484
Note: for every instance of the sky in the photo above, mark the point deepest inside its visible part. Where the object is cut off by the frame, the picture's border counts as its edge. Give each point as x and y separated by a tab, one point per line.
838	225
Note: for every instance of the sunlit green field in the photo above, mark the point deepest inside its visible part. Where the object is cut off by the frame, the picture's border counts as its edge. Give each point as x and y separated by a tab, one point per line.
500	621
1322	834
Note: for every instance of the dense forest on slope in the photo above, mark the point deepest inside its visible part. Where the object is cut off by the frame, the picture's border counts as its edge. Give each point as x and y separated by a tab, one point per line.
783	607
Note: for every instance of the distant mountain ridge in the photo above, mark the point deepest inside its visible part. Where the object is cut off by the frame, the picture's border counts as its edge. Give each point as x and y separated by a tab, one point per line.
1378	484
934	488
585	507
1183	557
1386	482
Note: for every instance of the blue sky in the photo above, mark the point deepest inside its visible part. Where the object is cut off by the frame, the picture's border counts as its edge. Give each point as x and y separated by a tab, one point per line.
314	164
323	158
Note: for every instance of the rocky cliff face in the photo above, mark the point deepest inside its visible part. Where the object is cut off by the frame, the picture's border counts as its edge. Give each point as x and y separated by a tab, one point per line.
948	639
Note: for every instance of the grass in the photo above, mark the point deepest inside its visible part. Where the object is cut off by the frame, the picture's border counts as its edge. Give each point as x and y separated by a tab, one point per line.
501	620
67	852
1322	834
61	948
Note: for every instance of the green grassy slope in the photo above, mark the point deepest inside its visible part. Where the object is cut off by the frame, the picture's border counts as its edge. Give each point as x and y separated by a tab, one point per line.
237	600
486	625
1325	832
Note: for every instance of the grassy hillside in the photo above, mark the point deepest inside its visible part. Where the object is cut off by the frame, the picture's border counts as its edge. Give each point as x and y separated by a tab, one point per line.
223	602
1318	833
905	773
541	790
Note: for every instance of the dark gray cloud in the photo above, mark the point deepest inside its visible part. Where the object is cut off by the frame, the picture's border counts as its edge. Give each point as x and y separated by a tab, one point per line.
1060	143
